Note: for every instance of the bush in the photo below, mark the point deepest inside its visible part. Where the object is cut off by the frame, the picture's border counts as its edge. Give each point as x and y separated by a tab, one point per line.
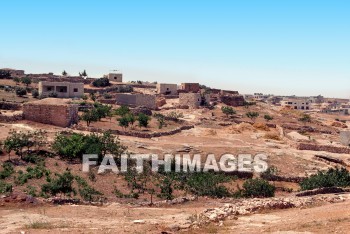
62	184
143	120
175	116
268	117
74	145
123	122
305	118
5	187
207	184
252	115
7	170
86	192
107	96
161	120
227	110
332	177
90	116
35	93
53	95
26	80
20	91
258	188
102	82
121	111
32	173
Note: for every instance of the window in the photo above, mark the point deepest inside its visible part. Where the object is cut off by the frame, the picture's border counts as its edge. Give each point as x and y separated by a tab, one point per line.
48	88
296	107
167	88
75	90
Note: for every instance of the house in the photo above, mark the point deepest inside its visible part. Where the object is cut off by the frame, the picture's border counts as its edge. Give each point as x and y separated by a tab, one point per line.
167	89
190	87
14	72
116	77
136	99
297	104
61	89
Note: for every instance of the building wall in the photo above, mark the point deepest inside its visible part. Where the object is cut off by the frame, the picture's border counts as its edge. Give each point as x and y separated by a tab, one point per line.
232	100
296	104
62	115
63	89
190	99
190	87
168	89
117	77
136	99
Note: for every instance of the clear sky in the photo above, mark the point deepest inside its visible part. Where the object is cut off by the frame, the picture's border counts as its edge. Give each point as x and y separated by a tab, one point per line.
283	47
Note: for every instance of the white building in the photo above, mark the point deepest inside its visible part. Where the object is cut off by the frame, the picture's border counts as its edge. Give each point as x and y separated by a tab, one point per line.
296	104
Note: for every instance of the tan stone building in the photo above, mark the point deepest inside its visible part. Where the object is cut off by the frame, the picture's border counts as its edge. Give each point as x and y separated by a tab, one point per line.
192	100
116	77
167	89
136	99
297	104
14	72
62	89
190	87
54	111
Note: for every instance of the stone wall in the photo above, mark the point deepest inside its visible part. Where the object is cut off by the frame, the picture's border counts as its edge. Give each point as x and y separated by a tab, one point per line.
52	111
167	89
234	100
116	77
136	134
11	118
137	99
190	99
326	148
10	106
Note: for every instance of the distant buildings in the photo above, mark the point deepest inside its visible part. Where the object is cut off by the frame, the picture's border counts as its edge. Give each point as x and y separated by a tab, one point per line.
297	104
190	87
61	89
13	72
167	89
116	77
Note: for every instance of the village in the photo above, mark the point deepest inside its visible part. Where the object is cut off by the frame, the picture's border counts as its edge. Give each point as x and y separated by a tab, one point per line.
49	121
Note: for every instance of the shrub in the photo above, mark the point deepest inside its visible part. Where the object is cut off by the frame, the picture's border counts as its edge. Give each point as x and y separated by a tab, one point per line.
268	117
102	82
32	173
31	191
252	115
61	184
333	177
26	80
121	111
123	122
227	110
207	184
7	170
35	93
305	118
143	120
5	187
107	96
20	91
86	192
161	120
74	145
90	116
53	95
175	116
258	188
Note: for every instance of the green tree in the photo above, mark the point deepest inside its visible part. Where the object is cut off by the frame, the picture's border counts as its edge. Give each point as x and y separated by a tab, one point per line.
227	110
122	111
252	115
131	119
90	116
83	74
143	120
20	91
64	73
26	80
17	80
123	122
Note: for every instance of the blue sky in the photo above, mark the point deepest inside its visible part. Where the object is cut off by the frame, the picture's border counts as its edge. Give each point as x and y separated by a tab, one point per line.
281	47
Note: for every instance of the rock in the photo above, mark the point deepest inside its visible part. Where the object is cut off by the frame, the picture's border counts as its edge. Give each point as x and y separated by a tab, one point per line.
174	227
139	221
297	136
141	109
